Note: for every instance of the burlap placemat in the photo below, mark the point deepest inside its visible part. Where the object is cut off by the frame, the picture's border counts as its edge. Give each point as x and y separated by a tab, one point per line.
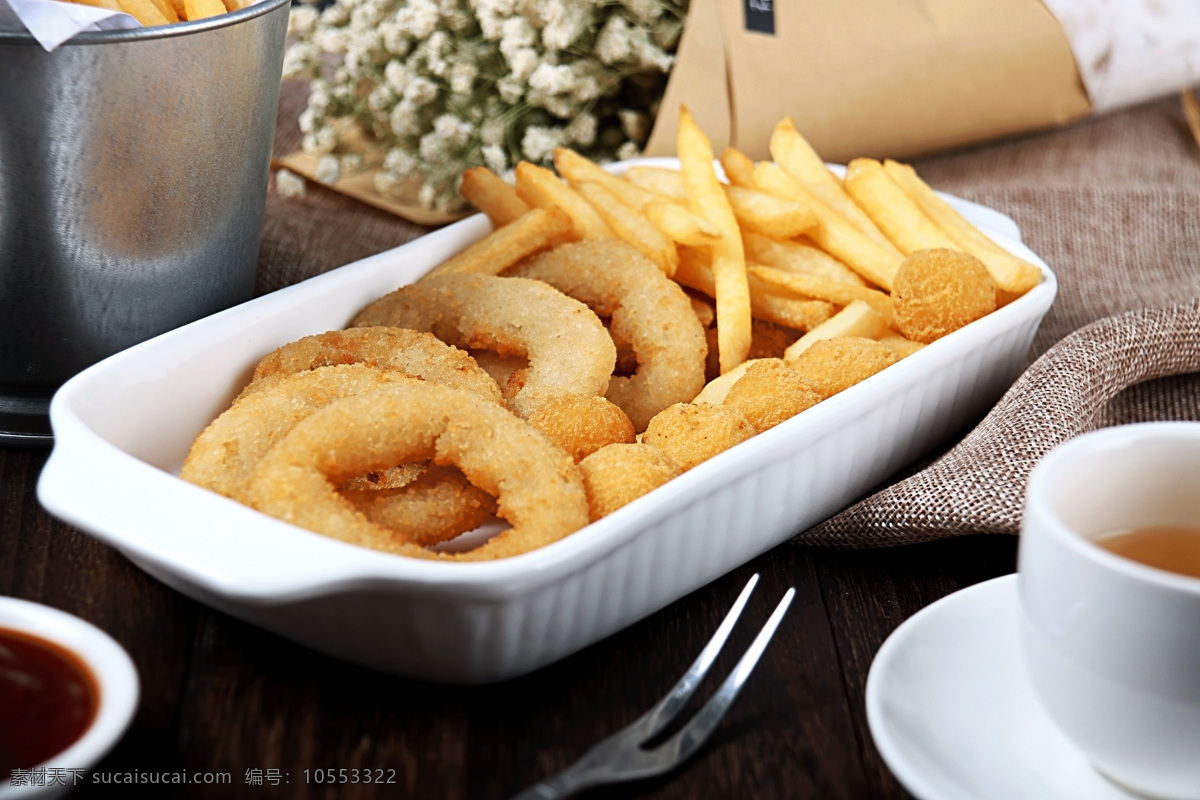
979	485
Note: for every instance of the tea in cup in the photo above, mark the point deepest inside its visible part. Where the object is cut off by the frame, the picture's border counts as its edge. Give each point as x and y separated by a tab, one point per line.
1109	588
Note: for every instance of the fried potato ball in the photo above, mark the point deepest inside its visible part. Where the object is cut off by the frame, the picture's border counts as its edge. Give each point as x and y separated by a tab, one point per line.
938	291
692	433
581	424
618	474
769	392
832	365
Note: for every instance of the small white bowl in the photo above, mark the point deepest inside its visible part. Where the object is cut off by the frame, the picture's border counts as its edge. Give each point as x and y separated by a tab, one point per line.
116	684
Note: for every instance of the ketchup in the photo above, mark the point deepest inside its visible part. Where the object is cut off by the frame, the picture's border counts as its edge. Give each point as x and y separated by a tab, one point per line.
48	698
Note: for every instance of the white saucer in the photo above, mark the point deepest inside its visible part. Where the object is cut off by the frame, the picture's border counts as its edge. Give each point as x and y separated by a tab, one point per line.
954	715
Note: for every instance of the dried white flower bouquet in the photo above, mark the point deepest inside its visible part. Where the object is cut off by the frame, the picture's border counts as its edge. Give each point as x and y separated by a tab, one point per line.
438	86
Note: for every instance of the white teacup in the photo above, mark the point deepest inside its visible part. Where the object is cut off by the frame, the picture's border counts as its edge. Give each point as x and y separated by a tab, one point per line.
1112	646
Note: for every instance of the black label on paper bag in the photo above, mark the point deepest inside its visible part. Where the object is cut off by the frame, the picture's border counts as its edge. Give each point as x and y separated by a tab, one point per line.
760	15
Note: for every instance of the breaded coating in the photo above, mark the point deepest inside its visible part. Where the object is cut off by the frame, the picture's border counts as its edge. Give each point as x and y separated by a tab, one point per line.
581	424
938	291
538	488
692	433
648	313
568	348
769	392
436	506
832	365
414	353
618	474
224	454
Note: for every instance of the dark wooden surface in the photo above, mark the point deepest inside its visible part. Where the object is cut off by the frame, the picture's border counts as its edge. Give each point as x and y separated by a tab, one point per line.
219	695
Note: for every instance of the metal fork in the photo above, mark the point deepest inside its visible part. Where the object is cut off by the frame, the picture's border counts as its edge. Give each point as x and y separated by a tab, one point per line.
621	756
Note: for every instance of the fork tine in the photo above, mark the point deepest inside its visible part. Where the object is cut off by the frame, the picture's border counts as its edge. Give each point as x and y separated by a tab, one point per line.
666	709
688	739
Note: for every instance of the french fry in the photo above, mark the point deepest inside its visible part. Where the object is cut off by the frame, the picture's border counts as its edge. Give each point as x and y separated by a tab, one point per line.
111	5
631	226
236	5
489	193
818	288
167	10
765	213
695	272
762	211
856	319
798	255
891	209
145	12
1011	274
796	157
202	9
577	169
540	187
681	225
706	198
536	230
675	221
739	168
836	236
659	180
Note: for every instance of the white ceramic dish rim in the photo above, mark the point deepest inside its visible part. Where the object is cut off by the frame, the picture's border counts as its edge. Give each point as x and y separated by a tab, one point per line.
318	566
114	672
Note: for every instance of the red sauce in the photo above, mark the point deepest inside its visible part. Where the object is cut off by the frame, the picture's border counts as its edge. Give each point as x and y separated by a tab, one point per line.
48	698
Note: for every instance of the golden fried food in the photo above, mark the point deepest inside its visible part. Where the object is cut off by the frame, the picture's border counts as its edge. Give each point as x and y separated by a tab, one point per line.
831	365
225	453
780	290
581	424
770	392
647	311
414	353
692	433
436	506
568	348
939	291
538	488
618	474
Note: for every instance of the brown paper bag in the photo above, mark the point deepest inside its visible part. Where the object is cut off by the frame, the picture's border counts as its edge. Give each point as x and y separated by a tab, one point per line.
869	78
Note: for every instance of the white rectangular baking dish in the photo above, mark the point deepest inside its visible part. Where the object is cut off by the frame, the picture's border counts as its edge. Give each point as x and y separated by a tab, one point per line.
123	427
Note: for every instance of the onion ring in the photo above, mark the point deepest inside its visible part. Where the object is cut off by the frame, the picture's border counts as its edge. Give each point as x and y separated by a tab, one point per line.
539	490
568	348
417	354
648	311
224	454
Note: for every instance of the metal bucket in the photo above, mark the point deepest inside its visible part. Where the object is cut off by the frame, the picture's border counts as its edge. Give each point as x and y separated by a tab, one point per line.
133	180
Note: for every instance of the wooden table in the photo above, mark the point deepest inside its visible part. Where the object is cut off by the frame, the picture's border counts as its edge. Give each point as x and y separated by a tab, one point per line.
221	696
